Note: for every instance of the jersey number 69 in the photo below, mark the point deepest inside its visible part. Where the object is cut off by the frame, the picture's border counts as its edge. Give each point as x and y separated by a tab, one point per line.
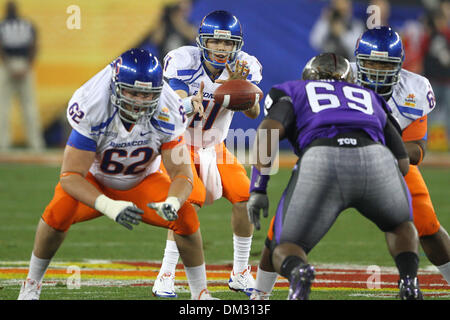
357	99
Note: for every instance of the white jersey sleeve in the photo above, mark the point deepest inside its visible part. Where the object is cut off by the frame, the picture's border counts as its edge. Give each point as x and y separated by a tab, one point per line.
412	98
170	119
183	63
255	67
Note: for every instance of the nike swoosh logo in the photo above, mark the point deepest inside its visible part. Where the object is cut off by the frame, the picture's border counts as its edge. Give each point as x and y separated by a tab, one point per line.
145	133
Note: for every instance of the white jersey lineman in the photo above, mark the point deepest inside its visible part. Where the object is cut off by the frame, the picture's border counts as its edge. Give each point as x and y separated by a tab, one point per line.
185	64
123	158
412	97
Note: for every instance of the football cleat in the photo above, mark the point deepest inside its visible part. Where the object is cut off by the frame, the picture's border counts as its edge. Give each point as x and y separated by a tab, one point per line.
409	289
204	295
242	281
164	286
300	282
256	294
30	290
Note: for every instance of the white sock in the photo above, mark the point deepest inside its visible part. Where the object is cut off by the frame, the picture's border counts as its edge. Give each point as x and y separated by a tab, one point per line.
170	259
196	277
265	281
241	253
37	268
445	270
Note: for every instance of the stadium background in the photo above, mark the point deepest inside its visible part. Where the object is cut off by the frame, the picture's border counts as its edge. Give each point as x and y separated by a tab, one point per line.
277	32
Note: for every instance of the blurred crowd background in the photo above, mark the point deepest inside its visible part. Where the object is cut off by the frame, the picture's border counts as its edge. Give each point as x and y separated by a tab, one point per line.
68	41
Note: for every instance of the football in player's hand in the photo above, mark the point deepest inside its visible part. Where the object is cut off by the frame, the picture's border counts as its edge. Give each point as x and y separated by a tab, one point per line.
238	95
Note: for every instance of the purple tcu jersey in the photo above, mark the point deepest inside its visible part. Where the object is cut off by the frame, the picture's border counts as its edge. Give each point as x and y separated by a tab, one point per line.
322	109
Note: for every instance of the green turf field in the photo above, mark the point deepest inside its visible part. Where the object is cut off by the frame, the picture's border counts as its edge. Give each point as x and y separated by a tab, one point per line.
25	190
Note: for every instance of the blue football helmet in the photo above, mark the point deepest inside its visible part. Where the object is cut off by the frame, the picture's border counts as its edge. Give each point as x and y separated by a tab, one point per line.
136	73
220	25
384	45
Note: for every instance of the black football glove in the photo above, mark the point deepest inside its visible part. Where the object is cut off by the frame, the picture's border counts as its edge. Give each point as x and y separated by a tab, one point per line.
255	203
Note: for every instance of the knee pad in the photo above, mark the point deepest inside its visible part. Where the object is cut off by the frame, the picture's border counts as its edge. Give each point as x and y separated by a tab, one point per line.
187	222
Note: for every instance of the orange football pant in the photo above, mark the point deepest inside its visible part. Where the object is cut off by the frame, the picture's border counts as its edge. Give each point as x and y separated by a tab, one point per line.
424	216
235	182
63	210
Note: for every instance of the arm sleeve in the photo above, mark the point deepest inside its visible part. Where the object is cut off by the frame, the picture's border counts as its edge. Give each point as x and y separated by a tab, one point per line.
394	140
394	122
278	106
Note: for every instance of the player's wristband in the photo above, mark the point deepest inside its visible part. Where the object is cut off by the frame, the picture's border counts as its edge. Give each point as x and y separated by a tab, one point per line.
174	202
187	105
107	206
259	181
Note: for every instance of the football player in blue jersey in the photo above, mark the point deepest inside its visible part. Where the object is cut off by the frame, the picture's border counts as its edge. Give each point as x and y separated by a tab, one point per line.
379	56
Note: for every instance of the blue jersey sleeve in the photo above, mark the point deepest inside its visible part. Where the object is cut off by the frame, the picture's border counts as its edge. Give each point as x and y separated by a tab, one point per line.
177	84
81	142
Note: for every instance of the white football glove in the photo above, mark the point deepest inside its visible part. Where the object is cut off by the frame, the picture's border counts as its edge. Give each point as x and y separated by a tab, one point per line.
123	212
167	209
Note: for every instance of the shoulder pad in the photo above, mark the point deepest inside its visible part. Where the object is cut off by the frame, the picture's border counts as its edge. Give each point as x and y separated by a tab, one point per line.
182	63
89	106
414	95
170	117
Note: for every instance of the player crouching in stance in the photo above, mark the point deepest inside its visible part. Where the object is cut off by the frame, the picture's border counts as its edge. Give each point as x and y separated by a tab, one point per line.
111	166
379	57
348	151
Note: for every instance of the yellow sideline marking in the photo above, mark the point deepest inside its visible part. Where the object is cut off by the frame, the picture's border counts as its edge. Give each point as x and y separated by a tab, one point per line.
105	273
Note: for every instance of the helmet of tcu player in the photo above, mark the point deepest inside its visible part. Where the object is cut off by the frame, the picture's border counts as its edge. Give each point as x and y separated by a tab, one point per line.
328	66
136	85
379	57
220	25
